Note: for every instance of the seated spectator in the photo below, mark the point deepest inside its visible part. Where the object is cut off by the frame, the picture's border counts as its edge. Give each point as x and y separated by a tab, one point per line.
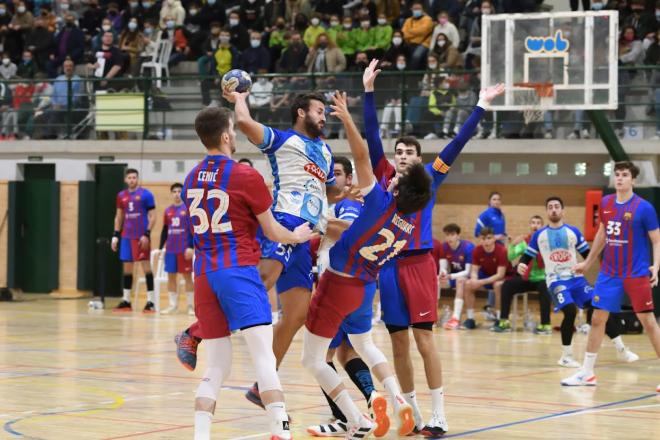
301	23
240	38
5	107
131	43
252	14
173	10
50	19
196	28
334	28
393	111
26	68
297	8
419	106
276	42
114	17
256	57
214	10
106	26
151	11
417	31
367	9
225	58
134	10
653	59
180	47
206	62
398	48
64	98
18	28
41	43
313	31
363	35
62	7
382	38
261	96
631	53
151	37
294	56
447	53
92	18
457	114
345	39
474	39
273	11
7	68
325	57
70	42
455	264
109	63
445	26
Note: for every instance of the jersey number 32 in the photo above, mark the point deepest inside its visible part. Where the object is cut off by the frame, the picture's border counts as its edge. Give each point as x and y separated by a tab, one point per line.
217	227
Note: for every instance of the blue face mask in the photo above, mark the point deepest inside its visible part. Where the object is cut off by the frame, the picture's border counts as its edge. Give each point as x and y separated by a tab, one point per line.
597	6
417	13
211	2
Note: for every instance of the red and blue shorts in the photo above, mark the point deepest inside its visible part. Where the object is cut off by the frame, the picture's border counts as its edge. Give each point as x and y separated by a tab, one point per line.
608	293
130	250
177	263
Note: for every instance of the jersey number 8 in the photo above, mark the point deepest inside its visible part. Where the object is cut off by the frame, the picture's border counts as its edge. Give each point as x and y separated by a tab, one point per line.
197	195
369	252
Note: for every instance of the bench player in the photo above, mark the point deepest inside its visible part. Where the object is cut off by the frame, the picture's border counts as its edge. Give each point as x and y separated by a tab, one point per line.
227	201
134	219
455	264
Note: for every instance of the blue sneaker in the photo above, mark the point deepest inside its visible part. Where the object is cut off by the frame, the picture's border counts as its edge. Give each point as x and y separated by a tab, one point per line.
186	349
469	324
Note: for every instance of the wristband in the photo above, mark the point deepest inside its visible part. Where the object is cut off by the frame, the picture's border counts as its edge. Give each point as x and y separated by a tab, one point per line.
116	234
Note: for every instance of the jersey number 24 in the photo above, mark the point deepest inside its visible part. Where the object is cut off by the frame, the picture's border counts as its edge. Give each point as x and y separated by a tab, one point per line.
217	227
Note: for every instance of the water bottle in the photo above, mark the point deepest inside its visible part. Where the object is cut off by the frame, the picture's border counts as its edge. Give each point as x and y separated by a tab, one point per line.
95	305
446	314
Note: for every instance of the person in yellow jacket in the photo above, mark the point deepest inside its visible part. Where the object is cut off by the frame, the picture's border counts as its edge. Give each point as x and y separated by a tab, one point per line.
417	31
313	31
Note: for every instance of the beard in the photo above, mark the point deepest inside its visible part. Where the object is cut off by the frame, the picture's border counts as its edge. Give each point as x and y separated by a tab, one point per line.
555	218
312	128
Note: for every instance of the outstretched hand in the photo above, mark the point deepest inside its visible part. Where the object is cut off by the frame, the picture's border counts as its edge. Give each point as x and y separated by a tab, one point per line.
492	92
369	75
340	106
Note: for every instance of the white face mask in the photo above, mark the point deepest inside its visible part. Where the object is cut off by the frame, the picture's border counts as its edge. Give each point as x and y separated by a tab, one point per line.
397	41
433	66
5	61
262	80
132	26
364	24
442	43
21	9
193	12
106	27
315	21
146	5
224	39
170	24
3	11
401	66
334	23
233	22
382	21
486	11
255	43
347	26
64	6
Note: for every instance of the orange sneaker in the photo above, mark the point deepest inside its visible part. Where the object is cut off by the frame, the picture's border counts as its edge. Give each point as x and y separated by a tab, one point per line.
378	413
452	324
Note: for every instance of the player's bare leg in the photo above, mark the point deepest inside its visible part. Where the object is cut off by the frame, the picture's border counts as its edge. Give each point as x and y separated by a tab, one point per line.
127	284
149	279
190	293
172	293
274	305
404	372
425	342
470	289
455	321
586	376
295	303
497	288
269	271
651	329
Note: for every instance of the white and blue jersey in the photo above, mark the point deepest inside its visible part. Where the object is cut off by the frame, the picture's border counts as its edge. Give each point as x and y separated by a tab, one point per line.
301	168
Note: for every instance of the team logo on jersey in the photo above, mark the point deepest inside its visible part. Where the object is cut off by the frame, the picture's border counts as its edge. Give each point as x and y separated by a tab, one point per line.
596	298
137	197
315	171
183	212
627	215
559	289
560	256
461	257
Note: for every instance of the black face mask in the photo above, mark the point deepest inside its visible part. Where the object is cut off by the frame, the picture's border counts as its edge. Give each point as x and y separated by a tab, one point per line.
323	45
361	65
70	24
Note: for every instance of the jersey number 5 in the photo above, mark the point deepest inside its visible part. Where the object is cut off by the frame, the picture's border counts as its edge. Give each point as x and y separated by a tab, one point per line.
613	228
195	211
370	252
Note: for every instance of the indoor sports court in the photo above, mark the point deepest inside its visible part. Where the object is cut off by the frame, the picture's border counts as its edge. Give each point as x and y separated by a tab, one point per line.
312	219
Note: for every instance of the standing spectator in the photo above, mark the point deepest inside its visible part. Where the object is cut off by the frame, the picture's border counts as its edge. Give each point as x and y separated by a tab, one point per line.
214	10
41	42
7	68
327	8
575	6
131	43
631	53
110	59
5	20
196	27
398	47
261	96
445	26
294	56
172	9
653	59
240	38
313	31
206	62
474	39
492	218
256	57
70	42
325	57
644	22
252	14
417	31
447	54
382	37
26	68
92	18
346	41
20	25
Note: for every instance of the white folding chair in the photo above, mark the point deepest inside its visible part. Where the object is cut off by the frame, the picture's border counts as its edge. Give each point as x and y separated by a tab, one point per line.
159	61
158	269
525	309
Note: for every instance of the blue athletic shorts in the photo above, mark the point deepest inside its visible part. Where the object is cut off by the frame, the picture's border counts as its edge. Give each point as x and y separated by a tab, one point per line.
130	250
609	291
177	263
574	291
296	259
242	296
359	321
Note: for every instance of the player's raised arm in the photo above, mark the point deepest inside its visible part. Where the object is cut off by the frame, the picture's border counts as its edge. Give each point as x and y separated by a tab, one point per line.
376	153
359	150
251	128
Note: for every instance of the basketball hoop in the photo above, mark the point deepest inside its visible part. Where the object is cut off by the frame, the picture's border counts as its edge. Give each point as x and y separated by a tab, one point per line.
540	94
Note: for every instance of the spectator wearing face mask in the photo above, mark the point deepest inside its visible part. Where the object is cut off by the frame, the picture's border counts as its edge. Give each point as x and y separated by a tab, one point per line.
334	27
5	19
196	27
131	43
257	56
112	65
174	10
206	62
92	18
240	38
252	14
294	56
398	47
70	42
345	39
325	57
27	68
445	26
151	37
214	10
631	53
261	96
226	56
382	37
313	31
106	26
151	11
180	46
326	9
276	42
21	23
274	10
295	8
448	56
644	22
115	17
363	35
417	31
40	42
7	68
133	10
453	8
474	39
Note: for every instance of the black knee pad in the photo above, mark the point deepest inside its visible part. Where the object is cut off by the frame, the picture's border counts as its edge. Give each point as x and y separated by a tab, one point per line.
128	281
423	326
149	278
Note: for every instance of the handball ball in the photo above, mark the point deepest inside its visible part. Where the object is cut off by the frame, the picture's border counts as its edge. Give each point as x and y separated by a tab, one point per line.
236	80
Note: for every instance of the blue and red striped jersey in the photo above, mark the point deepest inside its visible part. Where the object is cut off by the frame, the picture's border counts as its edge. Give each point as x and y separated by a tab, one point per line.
179	238
135	205
224	198
626	252
378	234
459	257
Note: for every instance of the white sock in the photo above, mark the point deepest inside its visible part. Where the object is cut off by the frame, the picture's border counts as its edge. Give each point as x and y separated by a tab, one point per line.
458	308
150	295
126	296
392	388
279	420
497	313
174	299
470	313
618	343
567	350
438	402
190	298
275	316
348	407
589	362
411	399
203	425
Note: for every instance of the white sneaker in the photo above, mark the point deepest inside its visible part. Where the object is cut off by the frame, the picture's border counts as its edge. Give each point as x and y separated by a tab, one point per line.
431	136
548	135
334	429
568	362
361	430
584	134
573	135
580	379
436	427
626	355
403	411
191	311
584	329
168	311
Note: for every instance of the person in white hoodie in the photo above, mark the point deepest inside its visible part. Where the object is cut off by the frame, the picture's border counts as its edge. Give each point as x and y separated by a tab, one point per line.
172	8
445	26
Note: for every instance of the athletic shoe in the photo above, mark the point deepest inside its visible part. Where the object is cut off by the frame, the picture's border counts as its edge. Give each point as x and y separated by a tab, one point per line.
191	311
378	412
361	430
657	389
414	432
452	324
186	350
584	329
334	429
168	311
501	326
568	361
404	412
469	324
149	307
580	379
626	355
543	329
436	428
253	396
584	134
489	314
573	135
124	306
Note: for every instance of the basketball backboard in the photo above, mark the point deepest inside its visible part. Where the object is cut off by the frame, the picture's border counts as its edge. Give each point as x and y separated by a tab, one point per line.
576	52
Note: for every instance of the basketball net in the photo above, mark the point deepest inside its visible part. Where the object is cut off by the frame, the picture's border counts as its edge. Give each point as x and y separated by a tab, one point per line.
540	94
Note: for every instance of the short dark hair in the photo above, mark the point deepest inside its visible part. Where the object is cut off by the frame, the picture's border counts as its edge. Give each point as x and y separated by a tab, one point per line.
246	161
627	165
538	217
493	193
413	190
554	199
131	171
485	232
175	186
451	228
302	102
409	141
345	163
210	123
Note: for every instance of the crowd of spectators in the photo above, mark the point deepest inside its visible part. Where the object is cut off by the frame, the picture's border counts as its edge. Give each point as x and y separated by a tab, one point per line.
113	38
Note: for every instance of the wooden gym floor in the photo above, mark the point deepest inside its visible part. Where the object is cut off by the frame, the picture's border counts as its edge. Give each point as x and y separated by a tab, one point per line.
68	373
